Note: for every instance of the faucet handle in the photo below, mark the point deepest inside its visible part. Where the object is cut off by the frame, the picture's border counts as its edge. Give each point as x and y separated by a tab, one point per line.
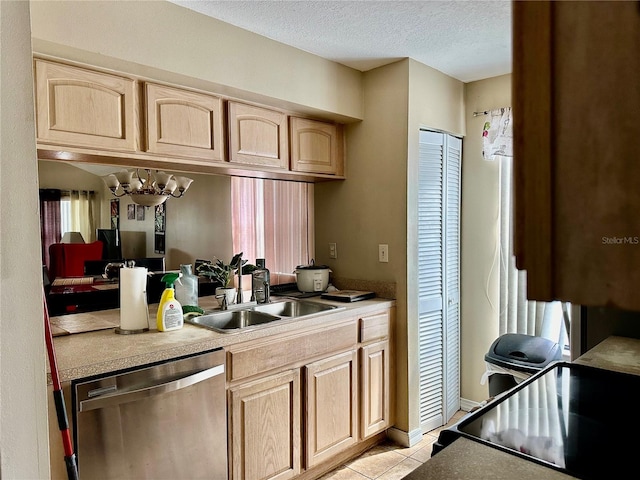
224	305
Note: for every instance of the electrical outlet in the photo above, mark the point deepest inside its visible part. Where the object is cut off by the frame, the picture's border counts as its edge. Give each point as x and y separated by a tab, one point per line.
333	250
383	253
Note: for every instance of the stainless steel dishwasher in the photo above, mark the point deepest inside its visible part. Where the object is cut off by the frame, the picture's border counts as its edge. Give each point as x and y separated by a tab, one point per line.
163	421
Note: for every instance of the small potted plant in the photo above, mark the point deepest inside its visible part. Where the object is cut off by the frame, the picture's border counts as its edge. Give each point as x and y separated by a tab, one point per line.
223	273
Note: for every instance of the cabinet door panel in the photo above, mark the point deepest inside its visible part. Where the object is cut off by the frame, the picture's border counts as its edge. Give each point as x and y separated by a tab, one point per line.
315	147
375	388
184	123
81	107
258	136
331	403
265	428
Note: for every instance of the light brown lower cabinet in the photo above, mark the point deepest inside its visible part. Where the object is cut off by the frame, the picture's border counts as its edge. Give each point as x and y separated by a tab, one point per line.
331	416
374	388
298	402
264	419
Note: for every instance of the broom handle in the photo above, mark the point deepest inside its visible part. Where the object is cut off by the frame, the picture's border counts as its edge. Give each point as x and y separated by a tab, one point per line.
58	397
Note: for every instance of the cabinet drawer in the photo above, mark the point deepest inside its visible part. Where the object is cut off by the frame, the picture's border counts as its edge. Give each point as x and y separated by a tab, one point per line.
374	327
274	353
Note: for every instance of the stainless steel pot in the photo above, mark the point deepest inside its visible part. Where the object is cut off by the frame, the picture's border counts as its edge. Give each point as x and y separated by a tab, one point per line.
312	278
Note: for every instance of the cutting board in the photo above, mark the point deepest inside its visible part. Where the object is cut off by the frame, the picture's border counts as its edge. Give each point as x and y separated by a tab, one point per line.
348	295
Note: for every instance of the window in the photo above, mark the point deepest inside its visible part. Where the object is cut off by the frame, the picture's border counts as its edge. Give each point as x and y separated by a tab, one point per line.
273	219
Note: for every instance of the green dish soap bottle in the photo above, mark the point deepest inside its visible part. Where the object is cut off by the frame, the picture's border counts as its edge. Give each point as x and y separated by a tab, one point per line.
169	315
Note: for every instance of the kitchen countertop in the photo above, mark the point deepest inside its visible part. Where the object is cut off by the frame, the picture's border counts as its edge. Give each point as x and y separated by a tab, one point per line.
620	354
97	352
465	459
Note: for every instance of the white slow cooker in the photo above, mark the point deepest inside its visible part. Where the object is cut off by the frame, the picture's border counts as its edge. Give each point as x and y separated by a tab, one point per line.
312	278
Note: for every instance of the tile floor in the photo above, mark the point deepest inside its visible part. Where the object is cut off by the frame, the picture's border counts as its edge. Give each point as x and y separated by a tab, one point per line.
388	461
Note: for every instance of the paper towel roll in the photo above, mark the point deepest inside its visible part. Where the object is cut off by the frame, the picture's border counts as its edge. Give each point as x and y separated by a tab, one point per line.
134	313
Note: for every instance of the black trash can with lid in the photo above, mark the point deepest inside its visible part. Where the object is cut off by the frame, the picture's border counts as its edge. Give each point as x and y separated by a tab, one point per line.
526	354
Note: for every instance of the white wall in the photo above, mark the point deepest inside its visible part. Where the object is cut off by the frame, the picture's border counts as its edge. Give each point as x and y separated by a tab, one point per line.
24	448
480	237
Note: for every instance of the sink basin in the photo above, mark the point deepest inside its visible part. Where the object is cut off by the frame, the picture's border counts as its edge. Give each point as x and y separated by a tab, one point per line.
228	320
291	308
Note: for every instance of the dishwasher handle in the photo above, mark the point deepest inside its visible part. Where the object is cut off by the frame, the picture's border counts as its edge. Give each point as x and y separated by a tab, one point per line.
120	398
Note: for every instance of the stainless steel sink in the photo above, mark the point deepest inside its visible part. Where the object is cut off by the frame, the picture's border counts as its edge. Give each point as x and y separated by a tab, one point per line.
292	308
229	320
245	317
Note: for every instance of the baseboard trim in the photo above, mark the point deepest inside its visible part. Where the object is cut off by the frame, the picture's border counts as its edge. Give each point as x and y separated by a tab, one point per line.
406	439
468	405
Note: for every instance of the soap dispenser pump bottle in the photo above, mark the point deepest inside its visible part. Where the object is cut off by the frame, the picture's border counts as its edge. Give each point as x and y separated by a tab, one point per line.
169	315
187	287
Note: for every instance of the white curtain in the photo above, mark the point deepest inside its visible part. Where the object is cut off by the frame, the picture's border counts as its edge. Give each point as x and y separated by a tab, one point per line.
517	314
81	213
497	134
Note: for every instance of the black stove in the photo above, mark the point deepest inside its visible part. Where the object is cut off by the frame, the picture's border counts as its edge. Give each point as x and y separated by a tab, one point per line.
573	418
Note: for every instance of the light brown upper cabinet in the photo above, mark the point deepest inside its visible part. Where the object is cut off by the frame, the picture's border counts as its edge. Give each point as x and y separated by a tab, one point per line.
183	123
316	147
577	137
80	107
258	136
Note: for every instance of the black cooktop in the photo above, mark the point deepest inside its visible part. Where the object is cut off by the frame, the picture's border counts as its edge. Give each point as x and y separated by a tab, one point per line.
573	418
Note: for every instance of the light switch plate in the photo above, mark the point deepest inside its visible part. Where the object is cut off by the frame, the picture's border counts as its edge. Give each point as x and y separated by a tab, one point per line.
383	253
333	250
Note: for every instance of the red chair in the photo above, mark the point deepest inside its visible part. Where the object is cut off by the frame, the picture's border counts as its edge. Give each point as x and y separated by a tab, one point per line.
67	259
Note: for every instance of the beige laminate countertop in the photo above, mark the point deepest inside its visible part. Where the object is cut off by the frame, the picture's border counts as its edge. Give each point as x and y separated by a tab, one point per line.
620	354
93	353
465	459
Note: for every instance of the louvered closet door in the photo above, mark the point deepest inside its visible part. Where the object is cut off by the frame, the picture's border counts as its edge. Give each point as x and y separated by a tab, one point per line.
438	277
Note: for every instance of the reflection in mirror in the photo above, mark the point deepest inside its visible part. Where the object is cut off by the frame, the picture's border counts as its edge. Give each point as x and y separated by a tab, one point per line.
219	216
198	225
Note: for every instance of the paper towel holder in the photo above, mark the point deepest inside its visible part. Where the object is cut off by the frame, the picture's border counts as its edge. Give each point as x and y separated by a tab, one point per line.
123	331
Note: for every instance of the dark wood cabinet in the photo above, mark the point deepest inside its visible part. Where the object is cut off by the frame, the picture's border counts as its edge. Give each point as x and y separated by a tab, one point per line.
576	92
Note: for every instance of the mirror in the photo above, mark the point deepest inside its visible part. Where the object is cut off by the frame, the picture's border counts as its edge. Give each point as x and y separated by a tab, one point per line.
198	225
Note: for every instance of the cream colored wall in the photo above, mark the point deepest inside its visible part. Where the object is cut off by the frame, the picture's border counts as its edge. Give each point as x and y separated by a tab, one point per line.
199	224
480	237
373	205
24	446
171	43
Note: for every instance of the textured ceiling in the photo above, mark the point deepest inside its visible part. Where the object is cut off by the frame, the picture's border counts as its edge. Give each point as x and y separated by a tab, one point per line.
466	39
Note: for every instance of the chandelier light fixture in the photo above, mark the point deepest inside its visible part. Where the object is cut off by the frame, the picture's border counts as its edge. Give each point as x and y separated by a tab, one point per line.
146	188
